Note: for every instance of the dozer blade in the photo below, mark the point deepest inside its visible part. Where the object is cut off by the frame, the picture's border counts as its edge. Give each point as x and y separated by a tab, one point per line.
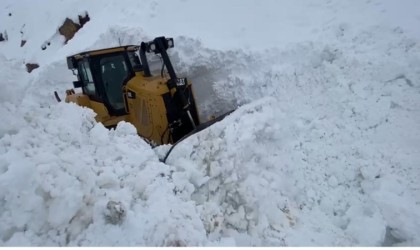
196	130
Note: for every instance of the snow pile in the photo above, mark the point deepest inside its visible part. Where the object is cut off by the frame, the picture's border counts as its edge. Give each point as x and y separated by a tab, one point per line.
337	142
13	81
325	141
279	176
58	175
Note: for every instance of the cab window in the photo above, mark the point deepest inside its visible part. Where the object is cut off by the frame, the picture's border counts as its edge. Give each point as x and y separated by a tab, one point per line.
135	61
87	79
114	72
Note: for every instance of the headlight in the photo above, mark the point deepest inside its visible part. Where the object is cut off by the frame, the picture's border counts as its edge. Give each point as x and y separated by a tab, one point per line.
170	43
152	47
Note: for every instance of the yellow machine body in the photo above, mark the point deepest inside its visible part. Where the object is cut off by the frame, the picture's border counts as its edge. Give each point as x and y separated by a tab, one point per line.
161	107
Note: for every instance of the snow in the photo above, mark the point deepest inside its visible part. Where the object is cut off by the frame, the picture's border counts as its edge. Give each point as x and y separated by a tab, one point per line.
323	149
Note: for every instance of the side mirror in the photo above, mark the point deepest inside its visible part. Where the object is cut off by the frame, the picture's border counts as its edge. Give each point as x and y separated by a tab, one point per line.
77	84
71	63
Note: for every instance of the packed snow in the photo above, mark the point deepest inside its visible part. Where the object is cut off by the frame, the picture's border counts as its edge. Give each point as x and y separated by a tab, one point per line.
322	150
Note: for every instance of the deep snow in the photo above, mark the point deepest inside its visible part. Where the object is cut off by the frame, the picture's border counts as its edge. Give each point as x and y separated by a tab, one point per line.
323	149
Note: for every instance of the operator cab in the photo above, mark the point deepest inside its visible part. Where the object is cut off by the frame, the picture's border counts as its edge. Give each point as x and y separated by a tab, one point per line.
103	73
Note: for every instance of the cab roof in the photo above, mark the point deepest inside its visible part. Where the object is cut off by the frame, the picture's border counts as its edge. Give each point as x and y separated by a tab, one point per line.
72	60
105	51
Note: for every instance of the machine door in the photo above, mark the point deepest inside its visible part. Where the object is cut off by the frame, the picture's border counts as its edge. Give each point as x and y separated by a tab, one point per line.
114	73
85	75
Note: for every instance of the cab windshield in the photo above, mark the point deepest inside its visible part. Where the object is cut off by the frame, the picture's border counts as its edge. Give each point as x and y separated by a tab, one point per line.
114	72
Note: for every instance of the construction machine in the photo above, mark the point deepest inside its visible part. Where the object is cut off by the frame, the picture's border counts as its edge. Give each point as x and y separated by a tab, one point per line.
136	84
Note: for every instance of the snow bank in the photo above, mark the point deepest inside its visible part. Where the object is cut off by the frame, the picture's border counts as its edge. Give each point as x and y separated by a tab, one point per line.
338	135
58	175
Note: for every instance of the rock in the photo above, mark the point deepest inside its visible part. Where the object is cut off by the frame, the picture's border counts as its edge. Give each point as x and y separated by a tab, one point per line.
3	36
84	19
22	43
69	27
115	212
31	66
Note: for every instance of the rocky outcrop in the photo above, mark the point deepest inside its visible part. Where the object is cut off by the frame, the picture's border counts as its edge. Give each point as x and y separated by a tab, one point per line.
31	66
69	28
3	36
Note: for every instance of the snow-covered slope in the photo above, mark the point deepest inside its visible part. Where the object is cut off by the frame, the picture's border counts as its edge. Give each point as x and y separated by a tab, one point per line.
323	149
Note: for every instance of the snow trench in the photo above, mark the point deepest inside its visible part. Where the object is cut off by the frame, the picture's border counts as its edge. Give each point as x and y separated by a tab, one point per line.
324	142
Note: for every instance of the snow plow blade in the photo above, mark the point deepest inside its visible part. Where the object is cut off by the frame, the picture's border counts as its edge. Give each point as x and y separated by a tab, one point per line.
196	130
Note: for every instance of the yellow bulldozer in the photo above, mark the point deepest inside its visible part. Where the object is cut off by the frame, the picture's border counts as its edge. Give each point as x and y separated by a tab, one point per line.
136	84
